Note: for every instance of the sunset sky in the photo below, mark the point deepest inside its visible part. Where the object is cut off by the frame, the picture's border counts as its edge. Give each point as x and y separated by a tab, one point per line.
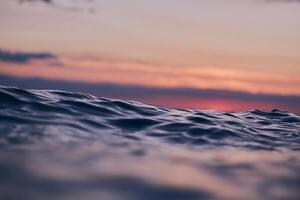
247	47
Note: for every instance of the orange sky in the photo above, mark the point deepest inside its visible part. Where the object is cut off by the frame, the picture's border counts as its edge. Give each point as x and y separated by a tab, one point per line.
144	74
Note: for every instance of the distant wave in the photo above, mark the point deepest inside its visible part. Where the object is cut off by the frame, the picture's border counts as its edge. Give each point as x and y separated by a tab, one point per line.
129	150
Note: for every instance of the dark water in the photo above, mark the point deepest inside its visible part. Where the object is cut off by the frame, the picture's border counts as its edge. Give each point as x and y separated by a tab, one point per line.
63	145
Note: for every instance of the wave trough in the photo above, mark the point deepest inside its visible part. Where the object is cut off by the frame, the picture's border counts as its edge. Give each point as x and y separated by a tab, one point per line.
67	145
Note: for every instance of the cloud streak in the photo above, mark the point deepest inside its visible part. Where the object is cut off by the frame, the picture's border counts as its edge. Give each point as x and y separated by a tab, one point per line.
22	57
135	72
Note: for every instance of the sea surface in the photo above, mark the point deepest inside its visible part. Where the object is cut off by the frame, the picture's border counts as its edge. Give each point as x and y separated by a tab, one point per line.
65	145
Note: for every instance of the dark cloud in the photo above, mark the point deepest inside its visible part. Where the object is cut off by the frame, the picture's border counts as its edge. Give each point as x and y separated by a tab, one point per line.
22	57
145	94
45	1
77	6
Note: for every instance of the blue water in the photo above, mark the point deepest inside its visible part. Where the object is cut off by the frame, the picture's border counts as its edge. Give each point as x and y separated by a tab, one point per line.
65	145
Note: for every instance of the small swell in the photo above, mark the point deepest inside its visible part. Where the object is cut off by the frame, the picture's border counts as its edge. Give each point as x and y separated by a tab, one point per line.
133	123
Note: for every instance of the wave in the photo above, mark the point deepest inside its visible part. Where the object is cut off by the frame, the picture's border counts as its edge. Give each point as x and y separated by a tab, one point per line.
79	146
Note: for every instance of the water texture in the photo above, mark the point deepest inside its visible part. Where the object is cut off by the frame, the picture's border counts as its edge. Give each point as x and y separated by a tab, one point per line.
65	145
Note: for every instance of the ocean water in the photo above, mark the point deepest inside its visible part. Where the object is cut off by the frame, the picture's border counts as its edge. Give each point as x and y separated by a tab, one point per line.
64	145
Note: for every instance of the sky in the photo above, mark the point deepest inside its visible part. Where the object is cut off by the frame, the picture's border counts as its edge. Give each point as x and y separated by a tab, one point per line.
233	46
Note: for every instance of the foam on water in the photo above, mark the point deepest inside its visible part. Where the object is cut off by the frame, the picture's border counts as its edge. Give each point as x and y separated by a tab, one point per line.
64	145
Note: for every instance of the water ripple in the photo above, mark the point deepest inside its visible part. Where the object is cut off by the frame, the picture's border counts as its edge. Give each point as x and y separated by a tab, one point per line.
65	145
